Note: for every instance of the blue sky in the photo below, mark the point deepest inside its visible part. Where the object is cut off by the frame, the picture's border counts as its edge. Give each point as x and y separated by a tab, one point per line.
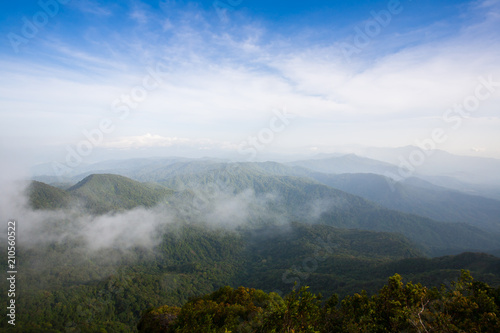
345	73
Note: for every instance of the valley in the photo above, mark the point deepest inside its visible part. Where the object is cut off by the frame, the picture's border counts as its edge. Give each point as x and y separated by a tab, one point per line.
108	246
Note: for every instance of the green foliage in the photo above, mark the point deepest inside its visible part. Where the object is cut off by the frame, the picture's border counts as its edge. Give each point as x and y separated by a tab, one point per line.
300	313
66	288
63	287
469	306
99	194
302	198
295	198
226	310
43	196
158	320
104	193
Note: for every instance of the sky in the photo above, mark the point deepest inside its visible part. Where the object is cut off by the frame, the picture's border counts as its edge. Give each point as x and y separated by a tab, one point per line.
87	80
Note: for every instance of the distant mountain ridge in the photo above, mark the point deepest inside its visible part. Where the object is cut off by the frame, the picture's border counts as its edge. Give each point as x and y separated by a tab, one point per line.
471	175
468	169
346	164
291	198
437	203
334	232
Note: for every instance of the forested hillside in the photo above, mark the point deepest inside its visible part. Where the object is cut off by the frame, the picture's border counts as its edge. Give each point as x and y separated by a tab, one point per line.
424	199
465	305
99	194
67	287
307	200
271	199
231	166
108	250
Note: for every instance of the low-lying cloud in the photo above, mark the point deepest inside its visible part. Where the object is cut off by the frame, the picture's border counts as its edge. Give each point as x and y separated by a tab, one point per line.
215	206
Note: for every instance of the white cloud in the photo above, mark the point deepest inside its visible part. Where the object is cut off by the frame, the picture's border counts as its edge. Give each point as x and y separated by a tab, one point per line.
146	140
91	7
139	15
222	84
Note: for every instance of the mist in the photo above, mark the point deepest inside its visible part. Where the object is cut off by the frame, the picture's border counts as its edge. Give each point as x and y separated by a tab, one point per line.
214	206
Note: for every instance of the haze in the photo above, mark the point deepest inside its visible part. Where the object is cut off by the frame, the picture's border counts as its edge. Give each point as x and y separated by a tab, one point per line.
250	79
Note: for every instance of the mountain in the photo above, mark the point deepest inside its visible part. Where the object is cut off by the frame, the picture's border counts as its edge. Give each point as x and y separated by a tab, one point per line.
132	168
99	194
104	193
468	174
111	289
303	199
488	190
424	199
43	196
468	169
262	225
262	197
346	164
279	256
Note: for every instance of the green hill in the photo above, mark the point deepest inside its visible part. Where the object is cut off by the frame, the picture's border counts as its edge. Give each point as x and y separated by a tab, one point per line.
104	193
43	196
99	194
66	287
326	258
304	199
273	199
342	244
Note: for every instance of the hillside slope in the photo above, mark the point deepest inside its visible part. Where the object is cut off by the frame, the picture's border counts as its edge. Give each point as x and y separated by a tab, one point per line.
431	201
303	199
346	164
103	193
92	291
99	194
44	196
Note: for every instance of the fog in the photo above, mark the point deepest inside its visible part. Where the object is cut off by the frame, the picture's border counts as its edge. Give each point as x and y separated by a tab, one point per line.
214	206
211	200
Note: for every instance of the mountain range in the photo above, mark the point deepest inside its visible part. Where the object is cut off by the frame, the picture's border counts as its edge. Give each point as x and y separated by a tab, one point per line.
439	220
117	238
